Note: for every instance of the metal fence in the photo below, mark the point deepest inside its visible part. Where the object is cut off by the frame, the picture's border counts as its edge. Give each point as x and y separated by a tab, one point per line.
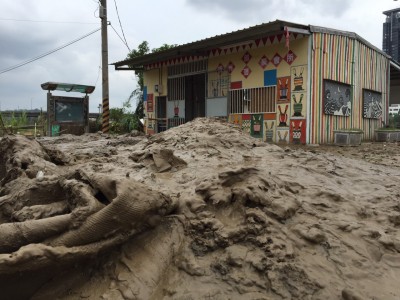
254	100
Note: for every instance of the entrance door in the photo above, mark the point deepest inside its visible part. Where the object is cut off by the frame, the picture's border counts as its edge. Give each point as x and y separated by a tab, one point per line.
195	96
161	113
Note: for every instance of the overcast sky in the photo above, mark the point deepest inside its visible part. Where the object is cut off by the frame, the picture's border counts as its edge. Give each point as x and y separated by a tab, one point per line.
29	29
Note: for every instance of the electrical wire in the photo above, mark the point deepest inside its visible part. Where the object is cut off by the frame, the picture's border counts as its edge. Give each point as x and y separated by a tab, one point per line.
39	21
116	8
120	37
47	53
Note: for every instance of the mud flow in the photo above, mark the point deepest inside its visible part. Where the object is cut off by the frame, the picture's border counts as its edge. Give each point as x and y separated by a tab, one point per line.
201	211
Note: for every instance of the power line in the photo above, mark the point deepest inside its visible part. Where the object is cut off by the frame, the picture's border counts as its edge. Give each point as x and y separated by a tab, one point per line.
116	8
40	21
47	53
124	42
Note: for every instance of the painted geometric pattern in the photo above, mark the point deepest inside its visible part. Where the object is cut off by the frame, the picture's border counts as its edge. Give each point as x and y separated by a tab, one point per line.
258	43
246	124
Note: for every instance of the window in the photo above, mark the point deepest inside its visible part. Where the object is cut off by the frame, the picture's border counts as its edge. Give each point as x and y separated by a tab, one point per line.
254	100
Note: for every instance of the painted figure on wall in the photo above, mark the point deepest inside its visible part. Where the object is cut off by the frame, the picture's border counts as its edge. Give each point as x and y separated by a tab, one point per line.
298	80
298	131
269	131
283	88
256	126
372	104
283	116
337	98
283	136
297	105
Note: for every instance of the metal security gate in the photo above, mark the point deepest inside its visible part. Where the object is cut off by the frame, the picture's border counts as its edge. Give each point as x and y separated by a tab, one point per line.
187	83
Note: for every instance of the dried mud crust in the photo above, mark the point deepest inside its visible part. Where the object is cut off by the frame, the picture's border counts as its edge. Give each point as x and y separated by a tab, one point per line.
241	219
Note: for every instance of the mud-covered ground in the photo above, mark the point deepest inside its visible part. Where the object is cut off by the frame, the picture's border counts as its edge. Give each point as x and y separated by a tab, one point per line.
210	213
387	154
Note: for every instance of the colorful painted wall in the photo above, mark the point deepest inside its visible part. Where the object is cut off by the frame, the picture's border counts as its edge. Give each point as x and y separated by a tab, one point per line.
357	75
323	82
269	62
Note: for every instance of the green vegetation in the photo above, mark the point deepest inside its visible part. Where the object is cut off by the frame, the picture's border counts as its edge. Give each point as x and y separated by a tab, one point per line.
19	123
394	122
123	119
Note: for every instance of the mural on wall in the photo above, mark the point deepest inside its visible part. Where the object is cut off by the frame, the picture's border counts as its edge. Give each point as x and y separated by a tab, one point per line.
246	123
218	84
283	114
256	129
282	135
230	67
298	131
150	102
263	62
297	105
246	57
151	125
276	59
337	98
220	68
284	88
269	131
299	78
290	57
246	71
372	103
176	109
235	119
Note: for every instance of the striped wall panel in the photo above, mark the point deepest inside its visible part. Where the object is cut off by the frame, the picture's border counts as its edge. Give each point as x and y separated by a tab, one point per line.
346	60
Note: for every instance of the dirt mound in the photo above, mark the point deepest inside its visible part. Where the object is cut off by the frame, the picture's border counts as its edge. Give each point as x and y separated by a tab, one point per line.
220	216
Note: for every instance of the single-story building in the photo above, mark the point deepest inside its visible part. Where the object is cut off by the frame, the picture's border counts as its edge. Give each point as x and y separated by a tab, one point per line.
280	81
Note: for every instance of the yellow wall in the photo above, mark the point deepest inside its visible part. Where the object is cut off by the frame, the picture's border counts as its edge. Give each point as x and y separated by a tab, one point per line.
256	78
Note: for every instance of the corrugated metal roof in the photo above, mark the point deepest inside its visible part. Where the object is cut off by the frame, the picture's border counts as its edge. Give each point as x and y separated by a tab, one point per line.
202	47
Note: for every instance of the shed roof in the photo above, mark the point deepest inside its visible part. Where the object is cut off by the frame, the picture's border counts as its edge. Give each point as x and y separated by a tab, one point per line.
202	47
67	87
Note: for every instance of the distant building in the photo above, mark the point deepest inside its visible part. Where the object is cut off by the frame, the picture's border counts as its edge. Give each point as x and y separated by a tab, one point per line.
391	34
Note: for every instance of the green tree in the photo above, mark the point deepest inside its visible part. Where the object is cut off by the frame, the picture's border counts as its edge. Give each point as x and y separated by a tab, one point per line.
137	94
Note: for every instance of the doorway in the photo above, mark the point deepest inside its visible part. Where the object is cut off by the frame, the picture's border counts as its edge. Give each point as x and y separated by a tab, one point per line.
161	113
195	95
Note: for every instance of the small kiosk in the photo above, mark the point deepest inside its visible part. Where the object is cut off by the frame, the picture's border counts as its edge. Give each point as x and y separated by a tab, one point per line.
67	114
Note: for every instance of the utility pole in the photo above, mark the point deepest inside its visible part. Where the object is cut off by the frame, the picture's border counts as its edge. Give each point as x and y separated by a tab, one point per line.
104	63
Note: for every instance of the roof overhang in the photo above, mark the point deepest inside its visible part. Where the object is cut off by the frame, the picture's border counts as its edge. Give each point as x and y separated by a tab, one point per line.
203	47
67	87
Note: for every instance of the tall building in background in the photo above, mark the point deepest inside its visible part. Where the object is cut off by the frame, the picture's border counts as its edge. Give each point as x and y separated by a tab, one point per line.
391	34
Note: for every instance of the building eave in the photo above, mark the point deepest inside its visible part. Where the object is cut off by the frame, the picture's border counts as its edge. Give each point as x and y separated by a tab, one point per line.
202	47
